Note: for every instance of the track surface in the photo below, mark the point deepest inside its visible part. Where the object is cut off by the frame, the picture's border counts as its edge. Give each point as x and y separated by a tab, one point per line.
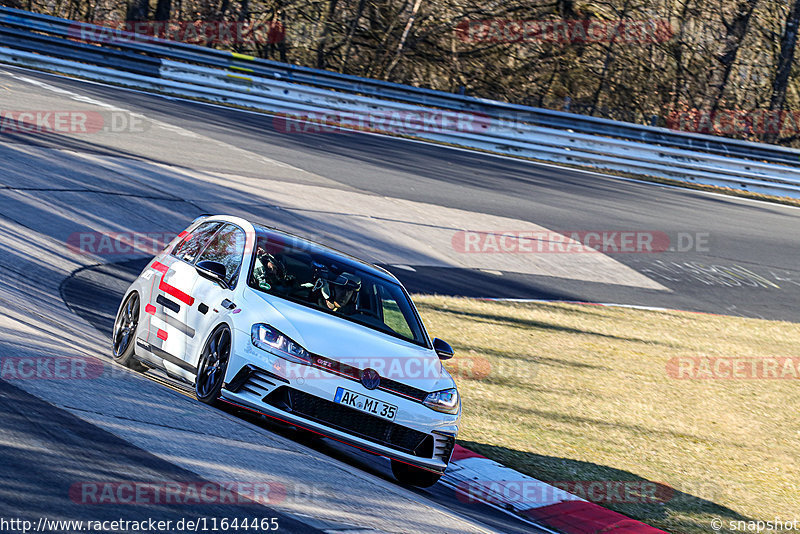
49	445
740	235
396	202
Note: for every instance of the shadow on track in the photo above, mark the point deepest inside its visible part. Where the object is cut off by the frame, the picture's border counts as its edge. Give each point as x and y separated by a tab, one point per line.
54	463
681	511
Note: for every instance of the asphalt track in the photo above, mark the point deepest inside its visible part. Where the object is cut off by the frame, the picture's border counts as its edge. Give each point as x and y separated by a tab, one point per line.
394	201
745	264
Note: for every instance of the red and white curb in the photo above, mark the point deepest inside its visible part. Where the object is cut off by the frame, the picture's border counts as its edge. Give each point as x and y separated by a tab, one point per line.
479	479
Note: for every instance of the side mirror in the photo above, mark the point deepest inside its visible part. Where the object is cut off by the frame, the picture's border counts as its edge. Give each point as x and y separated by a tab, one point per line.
443	349
213	270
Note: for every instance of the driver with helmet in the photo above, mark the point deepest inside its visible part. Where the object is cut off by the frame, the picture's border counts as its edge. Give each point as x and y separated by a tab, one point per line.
337	293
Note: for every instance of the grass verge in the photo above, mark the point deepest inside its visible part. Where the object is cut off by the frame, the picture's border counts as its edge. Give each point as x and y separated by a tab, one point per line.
583	393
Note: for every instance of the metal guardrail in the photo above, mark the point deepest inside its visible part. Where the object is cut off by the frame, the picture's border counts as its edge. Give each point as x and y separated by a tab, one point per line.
403	93
45	42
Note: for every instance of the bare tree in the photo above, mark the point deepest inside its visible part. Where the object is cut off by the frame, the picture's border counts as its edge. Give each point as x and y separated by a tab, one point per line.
138	10
163	9
785	61
735	33
403	39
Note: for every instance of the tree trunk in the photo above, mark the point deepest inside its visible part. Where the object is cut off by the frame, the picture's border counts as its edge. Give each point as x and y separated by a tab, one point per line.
163	9
138	10
607	61
403	39
244	11
323	39
785	60
679	45
351	31
379	58
721	72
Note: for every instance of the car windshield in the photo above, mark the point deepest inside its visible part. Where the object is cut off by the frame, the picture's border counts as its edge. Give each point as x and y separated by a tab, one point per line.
311	277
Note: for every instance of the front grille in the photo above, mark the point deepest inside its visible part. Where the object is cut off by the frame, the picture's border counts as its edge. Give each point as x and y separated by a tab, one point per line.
352	421
354	373
409	391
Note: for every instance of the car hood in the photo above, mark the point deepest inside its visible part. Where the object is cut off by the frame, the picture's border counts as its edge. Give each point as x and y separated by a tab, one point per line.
351	343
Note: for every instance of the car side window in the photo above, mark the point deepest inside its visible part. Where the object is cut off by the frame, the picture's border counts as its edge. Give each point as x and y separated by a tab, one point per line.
193	243
227	248
392	315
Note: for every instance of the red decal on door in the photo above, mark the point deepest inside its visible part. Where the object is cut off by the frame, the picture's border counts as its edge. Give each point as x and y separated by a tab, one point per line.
170	289
175	292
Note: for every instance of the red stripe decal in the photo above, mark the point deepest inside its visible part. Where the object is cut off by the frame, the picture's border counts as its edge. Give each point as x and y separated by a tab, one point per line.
150	309
175	292
183	234
169	289
162	334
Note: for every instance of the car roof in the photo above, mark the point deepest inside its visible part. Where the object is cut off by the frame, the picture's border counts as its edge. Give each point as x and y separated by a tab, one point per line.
330	254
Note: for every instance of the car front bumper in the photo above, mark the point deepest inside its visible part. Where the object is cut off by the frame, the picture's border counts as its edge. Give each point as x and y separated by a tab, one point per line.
259	381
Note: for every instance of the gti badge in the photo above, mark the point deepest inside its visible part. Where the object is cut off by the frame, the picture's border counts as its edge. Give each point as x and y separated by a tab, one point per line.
370	378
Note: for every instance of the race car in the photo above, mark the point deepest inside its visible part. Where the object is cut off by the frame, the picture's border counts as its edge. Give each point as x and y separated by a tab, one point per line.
273	323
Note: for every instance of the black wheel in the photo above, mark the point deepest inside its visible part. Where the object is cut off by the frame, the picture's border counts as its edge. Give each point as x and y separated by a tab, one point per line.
124	334
414	476
213	364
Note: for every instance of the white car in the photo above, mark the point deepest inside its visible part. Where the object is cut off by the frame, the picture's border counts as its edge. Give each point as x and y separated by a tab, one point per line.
270	322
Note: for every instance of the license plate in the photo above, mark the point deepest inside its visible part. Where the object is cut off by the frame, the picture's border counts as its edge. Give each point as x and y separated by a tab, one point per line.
365	404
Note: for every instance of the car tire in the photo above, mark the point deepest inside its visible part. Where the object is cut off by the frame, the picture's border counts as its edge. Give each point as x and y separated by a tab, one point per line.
213	365
123	335
414	476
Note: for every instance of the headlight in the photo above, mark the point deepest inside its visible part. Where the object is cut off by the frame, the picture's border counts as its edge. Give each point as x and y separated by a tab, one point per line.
443	401
271	340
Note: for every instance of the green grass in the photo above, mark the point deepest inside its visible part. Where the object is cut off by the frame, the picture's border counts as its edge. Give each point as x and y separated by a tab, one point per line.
569	392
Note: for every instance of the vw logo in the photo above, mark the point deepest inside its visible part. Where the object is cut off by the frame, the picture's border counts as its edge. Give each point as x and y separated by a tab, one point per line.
370	378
